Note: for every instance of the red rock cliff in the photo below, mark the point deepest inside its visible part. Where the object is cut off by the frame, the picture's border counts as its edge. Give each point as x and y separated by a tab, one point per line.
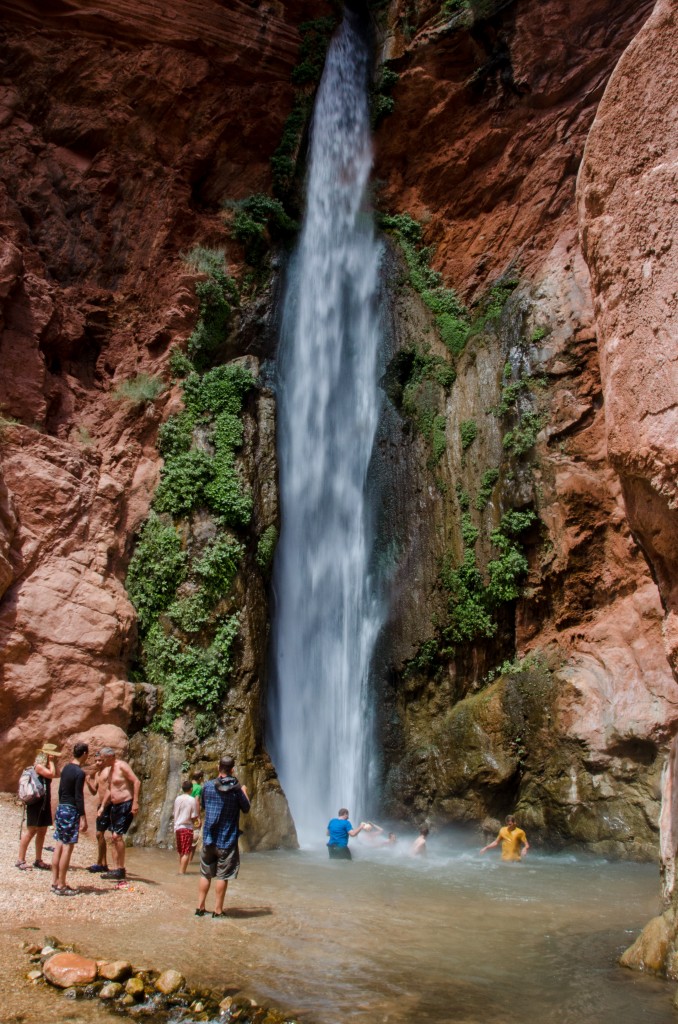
124	127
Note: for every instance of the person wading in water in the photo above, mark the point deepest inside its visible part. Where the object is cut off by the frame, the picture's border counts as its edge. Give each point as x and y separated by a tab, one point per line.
511	838
339	829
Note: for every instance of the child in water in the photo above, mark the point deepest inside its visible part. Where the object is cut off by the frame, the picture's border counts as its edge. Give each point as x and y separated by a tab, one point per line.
512	839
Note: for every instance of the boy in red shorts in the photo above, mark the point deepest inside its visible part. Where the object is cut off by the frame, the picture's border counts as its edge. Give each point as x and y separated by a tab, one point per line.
186	818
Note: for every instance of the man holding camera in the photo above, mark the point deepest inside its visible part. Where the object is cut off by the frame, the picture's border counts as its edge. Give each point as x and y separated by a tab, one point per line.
222	799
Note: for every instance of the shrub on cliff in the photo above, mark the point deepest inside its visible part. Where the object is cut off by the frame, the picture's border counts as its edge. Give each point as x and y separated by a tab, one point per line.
156	569
143	389
218	296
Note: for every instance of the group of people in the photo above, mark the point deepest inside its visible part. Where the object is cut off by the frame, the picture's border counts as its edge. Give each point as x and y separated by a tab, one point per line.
216	805
116	788
514	844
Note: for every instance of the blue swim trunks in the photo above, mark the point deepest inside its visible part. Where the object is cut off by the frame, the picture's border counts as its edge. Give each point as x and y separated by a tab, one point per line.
66	824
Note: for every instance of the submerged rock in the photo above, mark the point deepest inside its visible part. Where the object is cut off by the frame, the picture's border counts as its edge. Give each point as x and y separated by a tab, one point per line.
649	951
170	982
115	970
111	990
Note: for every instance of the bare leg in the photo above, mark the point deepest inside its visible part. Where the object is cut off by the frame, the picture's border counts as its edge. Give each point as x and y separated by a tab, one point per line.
40	834
101	849
183	863
203	889
219	893
25	840
64	861
56	860
118	848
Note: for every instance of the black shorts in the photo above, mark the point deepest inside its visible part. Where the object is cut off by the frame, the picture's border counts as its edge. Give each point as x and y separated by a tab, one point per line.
339	852
39	814
217	862
116	818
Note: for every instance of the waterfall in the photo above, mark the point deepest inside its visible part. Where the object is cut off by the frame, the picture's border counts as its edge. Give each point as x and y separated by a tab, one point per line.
327	616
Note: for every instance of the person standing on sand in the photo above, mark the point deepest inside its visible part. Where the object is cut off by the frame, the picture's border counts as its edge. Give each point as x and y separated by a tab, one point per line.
39	814
118	803
69	820
339	830
512	839
186	818
93	782
223	799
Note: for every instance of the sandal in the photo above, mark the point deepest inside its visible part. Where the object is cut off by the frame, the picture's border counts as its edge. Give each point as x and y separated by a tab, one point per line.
67	891
40	864
23	866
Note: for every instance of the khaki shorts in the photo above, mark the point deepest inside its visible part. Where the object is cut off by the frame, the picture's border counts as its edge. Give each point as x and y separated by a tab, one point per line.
218	863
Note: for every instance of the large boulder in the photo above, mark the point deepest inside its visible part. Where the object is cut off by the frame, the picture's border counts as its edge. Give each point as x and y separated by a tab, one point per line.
67	969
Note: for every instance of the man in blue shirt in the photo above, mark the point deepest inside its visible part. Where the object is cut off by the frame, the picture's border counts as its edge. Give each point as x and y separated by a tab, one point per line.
222	799
338	830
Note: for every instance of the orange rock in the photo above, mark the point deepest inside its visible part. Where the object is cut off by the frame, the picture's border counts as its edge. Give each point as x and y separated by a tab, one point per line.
66	969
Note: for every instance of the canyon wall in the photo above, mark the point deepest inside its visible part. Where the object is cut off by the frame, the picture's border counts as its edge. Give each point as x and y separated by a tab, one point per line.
493	108
124	128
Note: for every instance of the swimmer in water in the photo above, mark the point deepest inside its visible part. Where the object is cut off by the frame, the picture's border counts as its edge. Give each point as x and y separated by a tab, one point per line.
514	844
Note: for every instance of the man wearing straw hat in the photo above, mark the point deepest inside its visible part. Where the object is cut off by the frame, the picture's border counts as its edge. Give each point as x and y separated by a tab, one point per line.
39	814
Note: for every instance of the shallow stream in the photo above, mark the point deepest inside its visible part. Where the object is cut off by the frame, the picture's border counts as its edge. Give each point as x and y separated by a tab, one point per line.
455	938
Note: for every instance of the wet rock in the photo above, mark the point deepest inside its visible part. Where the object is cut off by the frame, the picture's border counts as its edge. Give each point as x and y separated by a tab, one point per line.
111	990
649	951
92	991
116	970
30	948
34	975
170	982
135	987
127	1000
66	969
72	993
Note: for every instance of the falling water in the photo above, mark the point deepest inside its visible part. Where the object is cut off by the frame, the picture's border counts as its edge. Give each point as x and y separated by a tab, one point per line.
327	616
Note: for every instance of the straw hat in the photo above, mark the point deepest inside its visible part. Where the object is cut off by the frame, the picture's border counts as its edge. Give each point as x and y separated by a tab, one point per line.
51	750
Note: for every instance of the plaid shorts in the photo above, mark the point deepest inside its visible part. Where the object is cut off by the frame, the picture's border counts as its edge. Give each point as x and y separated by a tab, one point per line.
67	824
184	840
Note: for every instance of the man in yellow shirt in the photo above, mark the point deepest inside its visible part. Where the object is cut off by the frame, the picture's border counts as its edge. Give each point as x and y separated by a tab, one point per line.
512	839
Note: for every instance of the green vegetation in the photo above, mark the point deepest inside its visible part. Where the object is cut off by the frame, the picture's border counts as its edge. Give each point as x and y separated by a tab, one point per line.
472	601
156	569
489	479
520	438
462	497
382	102
315	38
218	296
179	364
143	389
266	548
189	675
468	431
186	639
258	220
454	321
422	381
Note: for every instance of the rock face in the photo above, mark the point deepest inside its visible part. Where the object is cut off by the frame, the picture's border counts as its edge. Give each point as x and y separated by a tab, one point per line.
117	152
494	139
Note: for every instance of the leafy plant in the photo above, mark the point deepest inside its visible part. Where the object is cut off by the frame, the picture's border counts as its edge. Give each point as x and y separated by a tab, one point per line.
143	389
221	389
258	219
469	532
468	431
190	613
315	39
524	436
489	479
183	482
156	569
176	435
218	565
266	548
179	364
218	296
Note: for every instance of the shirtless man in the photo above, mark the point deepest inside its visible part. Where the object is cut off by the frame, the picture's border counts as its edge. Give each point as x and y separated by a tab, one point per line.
93	783
118	803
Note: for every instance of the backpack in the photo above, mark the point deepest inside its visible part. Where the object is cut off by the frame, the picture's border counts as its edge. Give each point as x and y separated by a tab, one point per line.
31	787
